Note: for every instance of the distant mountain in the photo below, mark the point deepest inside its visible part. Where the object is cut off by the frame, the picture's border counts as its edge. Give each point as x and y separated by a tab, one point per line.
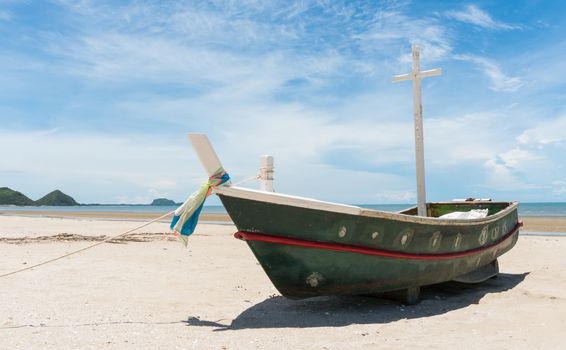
11	197
163	201
56	198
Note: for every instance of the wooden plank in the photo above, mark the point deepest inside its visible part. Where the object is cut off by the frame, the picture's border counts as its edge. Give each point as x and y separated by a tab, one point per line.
205	152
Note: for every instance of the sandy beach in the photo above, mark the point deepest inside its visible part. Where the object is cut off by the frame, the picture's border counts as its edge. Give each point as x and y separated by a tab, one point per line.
531	223
110	215
149	292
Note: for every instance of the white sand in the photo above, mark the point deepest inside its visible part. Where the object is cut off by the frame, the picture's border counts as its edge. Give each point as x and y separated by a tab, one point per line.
158	295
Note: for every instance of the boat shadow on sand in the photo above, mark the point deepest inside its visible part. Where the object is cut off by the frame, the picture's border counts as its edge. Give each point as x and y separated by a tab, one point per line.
339	311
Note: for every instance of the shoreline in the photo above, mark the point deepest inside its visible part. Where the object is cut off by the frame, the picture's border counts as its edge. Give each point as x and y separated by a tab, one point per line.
530	223
108	215
543	223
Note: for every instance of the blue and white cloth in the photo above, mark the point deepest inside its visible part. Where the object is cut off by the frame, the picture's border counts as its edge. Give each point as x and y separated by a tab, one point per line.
186	216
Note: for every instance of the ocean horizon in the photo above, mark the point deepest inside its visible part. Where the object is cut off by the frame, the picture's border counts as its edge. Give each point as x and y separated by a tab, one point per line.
552	209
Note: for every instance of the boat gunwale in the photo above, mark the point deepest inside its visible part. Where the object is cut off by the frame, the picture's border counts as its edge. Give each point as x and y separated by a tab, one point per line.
309	203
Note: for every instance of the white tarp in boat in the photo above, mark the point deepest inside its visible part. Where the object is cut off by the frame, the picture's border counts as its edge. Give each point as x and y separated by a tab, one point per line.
472	214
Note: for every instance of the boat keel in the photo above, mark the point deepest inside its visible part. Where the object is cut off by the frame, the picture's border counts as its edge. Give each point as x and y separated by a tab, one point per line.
481	274
409	296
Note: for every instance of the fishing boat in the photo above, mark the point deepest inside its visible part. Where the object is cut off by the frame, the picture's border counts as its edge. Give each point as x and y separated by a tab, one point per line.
311	248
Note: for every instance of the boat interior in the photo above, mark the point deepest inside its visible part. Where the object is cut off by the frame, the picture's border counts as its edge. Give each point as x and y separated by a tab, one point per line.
436	210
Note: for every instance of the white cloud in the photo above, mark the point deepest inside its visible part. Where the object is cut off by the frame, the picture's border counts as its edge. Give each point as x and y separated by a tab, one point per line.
476	16
465	139
406	196
133	58
137	169
226	36
559	187
499	80
326	182
391	29
546	132
477	143
518	158
502	177
527	165
306	81
543	68
101	168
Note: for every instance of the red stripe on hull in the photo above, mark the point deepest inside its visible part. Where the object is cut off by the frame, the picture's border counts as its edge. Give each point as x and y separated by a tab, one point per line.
250	236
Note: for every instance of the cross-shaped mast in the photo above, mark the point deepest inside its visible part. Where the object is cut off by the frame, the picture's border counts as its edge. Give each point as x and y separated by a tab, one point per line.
416	75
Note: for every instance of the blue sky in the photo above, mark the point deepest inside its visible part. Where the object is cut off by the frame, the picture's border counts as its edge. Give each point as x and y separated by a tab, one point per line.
96	97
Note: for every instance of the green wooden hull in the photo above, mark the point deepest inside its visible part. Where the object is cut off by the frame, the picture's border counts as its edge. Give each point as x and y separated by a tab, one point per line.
309	252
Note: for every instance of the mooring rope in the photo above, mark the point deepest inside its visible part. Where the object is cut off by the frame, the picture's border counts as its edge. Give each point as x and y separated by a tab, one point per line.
107	239
246	180
88	247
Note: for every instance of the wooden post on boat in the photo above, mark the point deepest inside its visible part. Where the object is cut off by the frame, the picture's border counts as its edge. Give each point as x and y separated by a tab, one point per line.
205	152
266	173
416	75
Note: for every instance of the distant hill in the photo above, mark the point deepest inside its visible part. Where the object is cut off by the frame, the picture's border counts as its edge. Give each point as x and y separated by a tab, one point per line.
163	201
11	197
56	198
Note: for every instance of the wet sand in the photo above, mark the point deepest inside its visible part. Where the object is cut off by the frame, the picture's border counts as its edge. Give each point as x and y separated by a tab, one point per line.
544	224
112	215
151	292
531	223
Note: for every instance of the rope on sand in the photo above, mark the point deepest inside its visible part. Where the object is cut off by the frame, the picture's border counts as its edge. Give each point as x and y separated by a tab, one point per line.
88	247
107	239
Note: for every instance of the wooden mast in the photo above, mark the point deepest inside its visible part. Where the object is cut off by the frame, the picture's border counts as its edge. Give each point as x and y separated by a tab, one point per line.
416	75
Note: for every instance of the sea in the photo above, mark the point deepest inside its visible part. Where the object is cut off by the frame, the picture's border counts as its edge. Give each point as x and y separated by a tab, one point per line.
553	209
548	209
